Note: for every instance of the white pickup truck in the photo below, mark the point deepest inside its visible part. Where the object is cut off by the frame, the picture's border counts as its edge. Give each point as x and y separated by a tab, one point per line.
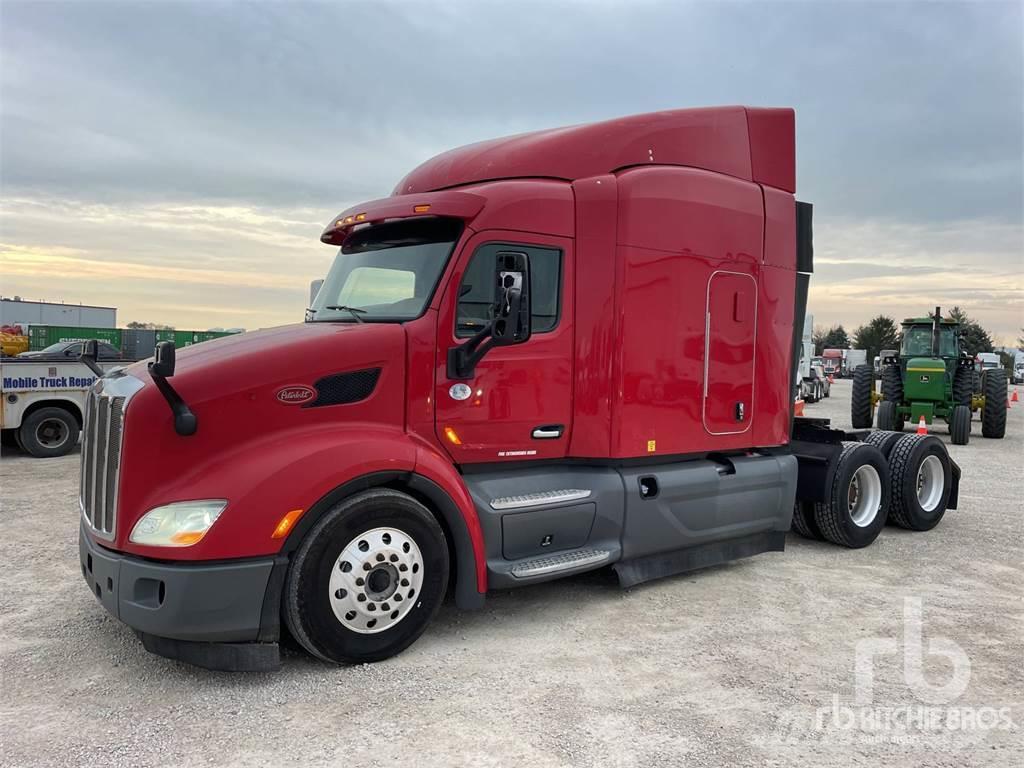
42	402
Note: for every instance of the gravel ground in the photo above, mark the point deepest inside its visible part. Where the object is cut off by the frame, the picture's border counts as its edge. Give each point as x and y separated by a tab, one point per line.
746	664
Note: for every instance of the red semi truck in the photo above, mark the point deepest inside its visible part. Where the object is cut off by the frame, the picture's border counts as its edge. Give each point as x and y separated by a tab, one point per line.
541	355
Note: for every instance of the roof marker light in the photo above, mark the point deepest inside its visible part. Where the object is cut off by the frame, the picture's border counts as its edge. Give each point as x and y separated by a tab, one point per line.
421	208
360	217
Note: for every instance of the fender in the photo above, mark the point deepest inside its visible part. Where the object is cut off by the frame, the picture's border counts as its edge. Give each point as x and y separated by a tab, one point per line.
264	479
12	414
433	477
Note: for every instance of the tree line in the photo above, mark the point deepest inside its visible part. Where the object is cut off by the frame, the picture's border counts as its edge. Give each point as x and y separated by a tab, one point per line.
883	332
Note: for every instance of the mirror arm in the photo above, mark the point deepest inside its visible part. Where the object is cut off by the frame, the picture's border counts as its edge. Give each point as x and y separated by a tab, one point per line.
462	359
185	422
90	363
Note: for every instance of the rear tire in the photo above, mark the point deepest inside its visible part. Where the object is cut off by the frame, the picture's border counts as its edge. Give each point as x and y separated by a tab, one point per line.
960	425
858	501
861	407
804	522
333	580
883	441
921	482
892	383
48	432
993	415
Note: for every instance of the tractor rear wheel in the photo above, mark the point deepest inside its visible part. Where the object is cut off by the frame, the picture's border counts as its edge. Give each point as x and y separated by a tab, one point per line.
861	407
963	386
892	384
858	502
993	414
960	425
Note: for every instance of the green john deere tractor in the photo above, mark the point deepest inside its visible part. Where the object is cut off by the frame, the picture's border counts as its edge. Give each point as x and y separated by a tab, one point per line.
933	378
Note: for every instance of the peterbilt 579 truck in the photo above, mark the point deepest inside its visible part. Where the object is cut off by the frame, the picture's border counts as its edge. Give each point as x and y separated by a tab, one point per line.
541	355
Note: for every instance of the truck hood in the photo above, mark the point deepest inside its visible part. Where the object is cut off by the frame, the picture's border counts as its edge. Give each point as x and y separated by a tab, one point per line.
297	350
250	393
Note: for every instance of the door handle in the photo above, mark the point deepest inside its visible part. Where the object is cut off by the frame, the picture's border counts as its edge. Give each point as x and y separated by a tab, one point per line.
548	432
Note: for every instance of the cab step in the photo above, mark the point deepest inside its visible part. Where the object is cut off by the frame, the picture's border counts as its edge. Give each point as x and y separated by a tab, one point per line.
564	561
527	500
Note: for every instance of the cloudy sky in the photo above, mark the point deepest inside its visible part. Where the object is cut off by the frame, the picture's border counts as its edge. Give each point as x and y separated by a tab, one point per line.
178	160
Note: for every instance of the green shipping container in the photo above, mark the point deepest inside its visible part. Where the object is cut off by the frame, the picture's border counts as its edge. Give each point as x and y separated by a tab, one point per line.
188	338
42	336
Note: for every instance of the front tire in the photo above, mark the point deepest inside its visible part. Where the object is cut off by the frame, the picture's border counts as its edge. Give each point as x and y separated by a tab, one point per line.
960	425
888	417
367	579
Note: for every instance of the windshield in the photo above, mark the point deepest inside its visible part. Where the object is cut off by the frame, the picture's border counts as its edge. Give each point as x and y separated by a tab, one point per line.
917	341
54	349
387	272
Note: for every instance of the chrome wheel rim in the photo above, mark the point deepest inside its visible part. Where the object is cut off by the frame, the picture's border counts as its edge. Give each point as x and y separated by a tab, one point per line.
376	580
52	433
865	496
931	482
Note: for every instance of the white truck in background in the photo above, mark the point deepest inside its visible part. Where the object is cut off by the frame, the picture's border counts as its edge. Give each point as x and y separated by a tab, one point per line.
42	403
854	358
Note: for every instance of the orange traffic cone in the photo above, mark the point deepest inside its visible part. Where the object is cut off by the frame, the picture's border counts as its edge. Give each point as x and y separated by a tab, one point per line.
798	408
1014	399
922	427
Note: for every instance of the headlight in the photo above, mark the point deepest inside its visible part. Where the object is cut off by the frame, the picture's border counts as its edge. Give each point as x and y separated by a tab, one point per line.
181	524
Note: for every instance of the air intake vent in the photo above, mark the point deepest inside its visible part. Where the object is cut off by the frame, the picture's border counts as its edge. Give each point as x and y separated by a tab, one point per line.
343	388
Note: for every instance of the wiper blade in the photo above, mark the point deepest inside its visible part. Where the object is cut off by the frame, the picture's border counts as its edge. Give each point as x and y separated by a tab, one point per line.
354	311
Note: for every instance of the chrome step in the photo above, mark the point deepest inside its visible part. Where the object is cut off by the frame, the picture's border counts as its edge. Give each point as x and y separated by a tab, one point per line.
539	499
565	561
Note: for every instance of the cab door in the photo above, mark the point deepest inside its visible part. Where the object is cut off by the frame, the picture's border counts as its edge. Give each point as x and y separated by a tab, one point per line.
517	405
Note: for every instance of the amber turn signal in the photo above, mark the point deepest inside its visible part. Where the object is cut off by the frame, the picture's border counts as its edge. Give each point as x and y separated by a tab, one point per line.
286	524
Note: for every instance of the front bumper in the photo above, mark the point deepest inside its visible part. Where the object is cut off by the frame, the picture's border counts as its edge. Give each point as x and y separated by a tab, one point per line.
208	615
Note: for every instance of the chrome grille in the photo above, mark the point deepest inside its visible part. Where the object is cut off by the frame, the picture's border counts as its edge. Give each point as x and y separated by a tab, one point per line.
101	451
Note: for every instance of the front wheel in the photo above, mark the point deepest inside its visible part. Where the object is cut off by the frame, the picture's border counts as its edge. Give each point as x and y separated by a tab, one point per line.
889	418
367	579
960	425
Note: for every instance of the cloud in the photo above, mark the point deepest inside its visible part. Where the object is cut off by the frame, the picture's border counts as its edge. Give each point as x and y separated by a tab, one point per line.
161	130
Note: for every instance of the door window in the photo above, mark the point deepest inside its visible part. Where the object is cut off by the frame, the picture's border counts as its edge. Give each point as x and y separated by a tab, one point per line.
476	293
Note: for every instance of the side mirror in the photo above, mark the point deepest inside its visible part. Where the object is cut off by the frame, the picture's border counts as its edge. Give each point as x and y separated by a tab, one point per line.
511	321
163	360
314	289
511	298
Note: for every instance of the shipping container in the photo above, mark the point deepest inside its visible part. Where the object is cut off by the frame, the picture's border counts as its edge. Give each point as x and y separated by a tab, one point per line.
42	336
137	343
